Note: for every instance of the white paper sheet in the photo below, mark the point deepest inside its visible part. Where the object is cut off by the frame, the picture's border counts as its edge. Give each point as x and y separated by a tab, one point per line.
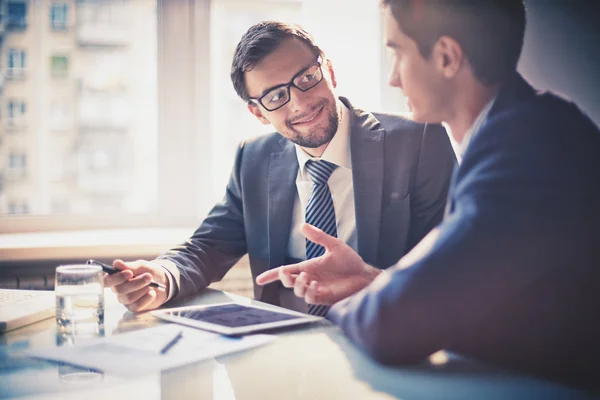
138	352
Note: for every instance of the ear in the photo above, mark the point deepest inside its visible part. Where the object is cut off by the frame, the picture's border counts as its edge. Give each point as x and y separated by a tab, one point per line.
448	56
255	110
329	67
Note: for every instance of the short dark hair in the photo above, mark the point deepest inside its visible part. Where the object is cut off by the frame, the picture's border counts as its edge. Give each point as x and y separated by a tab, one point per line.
258	42
490	32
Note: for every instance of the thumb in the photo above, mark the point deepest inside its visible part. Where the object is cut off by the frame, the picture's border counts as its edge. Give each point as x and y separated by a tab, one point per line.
317	236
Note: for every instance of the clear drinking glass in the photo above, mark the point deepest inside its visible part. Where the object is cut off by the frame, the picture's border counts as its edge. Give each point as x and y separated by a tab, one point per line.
79	293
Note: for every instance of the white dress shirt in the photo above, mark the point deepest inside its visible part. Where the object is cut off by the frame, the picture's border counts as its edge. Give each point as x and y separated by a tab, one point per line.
461	148
340	186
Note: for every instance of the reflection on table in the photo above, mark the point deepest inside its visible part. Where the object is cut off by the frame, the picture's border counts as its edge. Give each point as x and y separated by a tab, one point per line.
310	362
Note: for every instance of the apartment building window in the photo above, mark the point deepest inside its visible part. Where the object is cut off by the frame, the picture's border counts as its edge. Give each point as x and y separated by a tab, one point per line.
18	207
58	16
17	166
59	66
16	112
16	15
16	63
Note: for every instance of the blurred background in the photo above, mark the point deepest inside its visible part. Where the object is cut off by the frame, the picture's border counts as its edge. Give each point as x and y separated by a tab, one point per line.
120	114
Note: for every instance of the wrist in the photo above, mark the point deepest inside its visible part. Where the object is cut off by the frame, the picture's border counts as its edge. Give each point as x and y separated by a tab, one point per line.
371	273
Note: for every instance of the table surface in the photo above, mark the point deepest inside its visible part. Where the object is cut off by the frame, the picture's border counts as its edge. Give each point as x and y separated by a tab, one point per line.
311	362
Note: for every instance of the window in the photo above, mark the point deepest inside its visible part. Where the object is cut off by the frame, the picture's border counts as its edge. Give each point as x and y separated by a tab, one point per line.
15	63
58	16
16	112
59	66
90	116
16	168
17	15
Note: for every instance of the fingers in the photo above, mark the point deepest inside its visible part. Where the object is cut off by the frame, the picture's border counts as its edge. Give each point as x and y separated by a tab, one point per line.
301	284
267	277
118	278
144	302
128	271
293	269
275	274
132	297
147	297
316	294
133	284
316	235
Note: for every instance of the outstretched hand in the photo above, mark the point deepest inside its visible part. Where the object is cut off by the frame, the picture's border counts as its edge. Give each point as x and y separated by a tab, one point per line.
327	279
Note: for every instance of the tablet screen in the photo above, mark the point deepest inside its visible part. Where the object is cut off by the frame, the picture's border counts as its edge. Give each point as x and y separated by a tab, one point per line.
234	315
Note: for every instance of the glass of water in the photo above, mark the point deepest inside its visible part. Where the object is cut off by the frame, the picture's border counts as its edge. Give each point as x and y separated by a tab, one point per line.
79	293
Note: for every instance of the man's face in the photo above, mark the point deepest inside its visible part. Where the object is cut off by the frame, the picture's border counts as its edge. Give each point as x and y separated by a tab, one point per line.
416	76
310	118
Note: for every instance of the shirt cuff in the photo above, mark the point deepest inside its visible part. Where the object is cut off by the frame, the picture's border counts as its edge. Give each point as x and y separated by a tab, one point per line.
170	278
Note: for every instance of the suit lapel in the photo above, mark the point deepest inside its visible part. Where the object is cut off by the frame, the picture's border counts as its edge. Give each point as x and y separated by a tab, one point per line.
283	170
366	145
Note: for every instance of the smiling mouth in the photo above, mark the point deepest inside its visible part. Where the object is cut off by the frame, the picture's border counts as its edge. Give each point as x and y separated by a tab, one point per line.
310	117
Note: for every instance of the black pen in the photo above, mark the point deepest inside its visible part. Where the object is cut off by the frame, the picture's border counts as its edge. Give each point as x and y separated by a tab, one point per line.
171	343
112	270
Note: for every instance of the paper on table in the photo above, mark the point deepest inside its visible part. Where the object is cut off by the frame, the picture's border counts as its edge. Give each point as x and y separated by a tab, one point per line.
138	352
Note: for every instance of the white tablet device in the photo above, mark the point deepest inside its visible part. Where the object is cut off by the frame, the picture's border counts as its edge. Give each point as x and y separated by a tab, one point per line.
233	318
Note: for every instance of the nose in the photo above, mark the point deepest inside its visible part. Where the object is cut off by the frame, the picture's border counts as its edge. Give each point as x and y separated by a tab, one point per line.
394	76
299	100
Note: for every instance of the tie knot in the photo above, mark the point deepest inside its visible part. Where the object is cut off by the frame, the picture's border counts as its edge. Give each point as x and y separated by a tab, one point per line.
319	171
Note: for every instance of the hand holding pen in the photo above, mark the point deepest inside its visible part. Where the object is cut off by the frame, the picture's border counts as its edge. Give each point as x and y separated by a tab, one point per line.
112	270
139	285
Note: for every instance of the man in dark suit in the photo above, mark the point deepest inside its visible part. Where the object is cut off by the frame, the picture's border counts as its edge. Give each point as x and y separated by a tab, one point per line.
387	186
512	274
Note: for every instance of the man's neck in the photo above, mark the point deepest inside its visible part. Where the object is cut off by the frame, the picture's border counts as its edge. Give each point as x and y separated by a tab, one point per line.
468	106
317	151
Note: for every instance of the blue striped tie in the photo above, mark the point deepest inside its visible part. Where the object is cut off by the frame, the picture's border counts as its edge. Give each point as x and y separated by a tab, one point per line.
319	213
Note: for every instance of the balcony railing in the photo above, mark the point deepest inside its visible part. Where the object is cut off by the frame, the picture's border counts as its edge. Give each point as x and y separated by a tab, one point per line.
16	73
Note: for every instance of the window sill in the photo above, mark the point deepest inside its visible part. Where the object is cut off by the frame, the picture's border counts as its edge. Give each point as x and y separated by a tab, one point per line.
101	244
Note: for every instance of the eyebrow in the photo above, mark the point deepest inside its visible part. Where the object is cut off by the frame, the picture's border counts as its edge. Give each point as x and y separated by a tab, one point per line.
267	90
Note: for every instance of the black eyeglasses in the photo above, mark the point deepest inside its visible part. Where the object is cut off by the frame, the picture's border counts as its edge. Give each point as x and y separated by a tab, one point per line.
280	95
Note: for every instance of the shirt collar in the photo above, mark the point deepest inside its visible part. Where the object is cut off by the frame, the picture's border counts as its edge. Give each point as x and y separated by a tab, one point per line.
338	149
461	148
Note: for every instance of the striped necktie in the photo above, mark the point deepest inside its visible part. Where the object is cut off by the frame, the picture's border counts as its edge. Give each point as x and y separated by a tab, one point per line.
319	213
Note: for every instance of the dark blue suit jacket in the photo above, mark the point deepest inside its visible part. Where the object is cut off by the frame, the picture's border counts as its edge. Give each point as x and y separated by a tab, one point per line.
514	276
401	173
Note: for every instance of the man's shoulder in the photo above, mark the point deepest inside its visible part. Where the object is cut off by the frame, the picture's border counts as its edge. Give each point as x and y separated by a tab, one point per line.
541	116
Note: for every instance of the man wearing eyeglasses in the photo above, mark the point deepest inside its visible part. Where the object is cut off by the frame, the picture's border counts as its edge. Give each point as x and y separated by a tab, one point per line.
377	182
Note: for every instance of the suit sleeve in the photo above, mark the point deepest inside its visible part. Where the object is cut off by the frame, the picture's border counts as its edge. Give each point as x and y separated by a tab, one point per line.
499	241
430	183
215	246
